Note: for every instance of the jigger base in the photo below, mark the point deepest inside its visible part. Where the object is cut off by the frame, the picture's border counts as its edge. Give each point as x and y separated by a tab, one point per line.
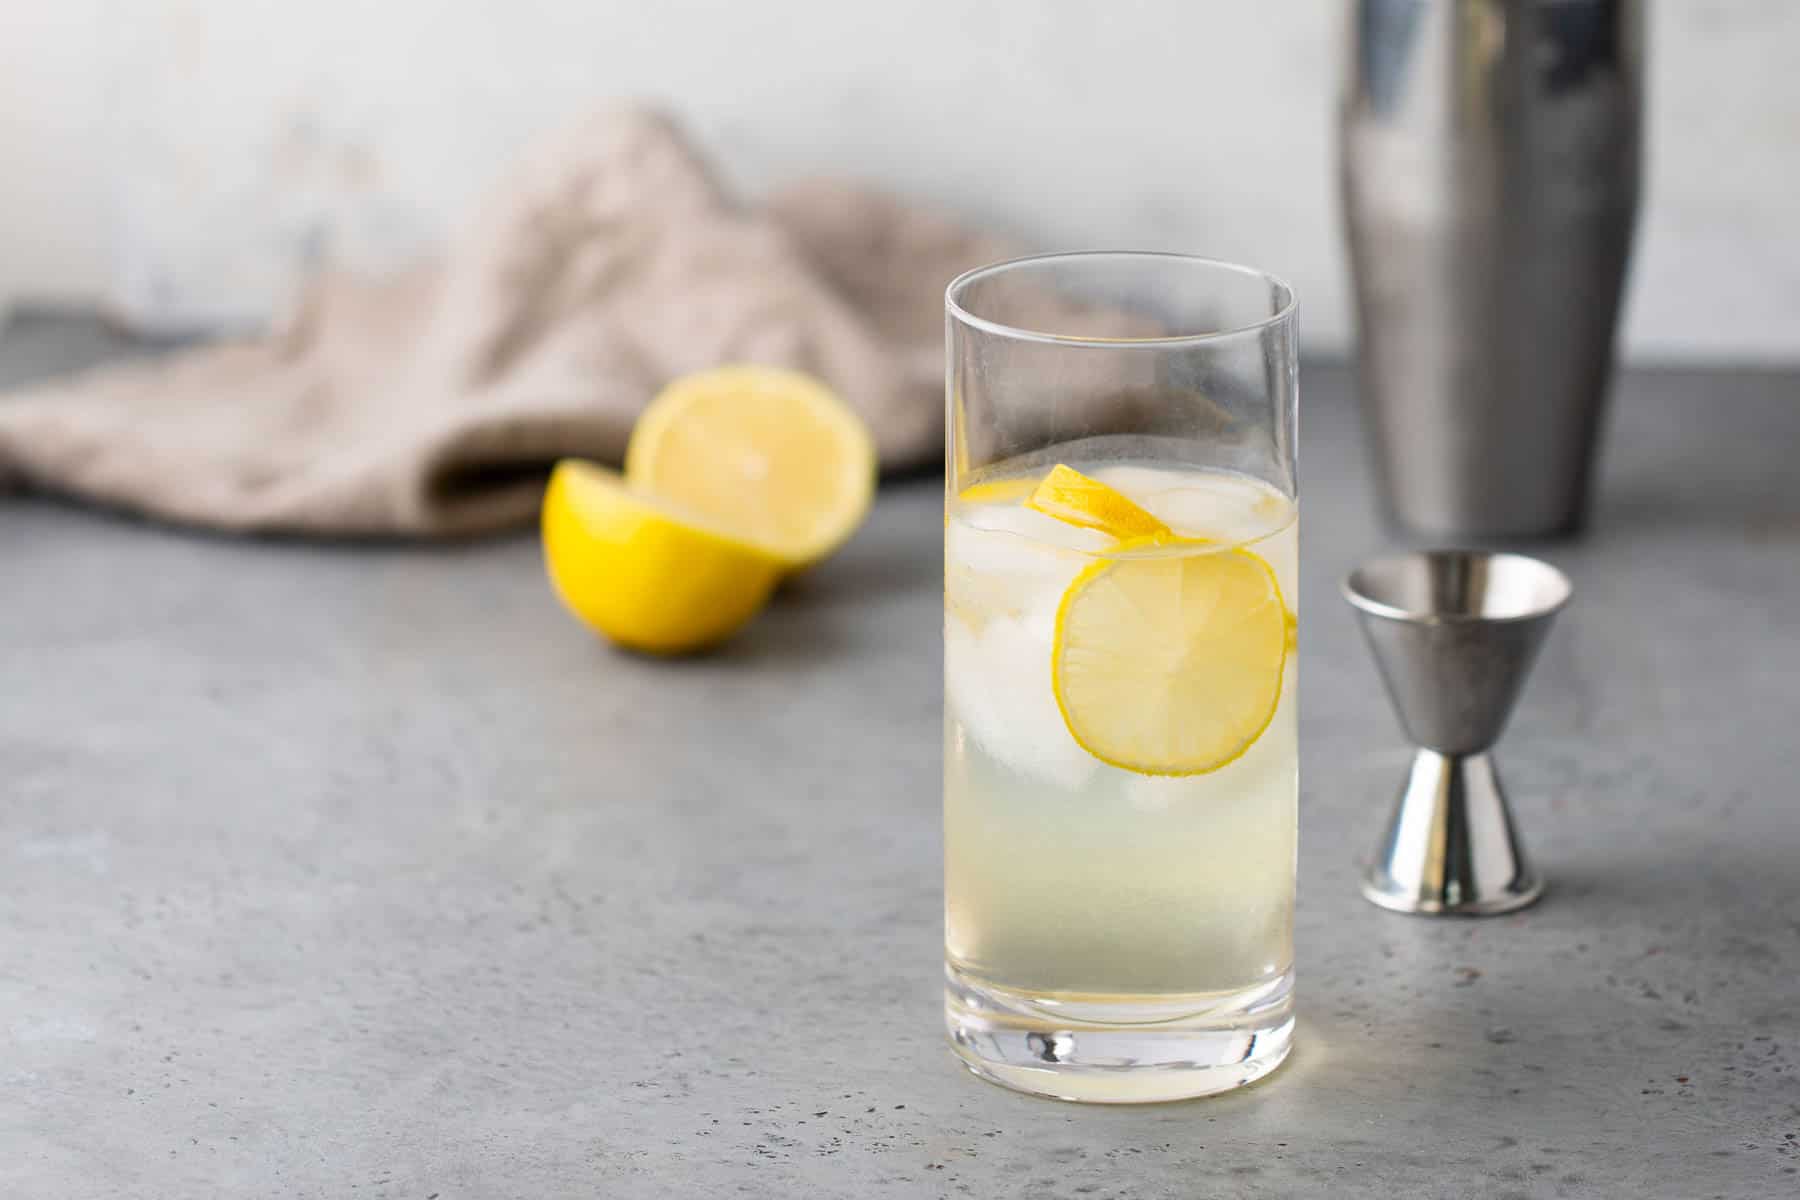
1450	848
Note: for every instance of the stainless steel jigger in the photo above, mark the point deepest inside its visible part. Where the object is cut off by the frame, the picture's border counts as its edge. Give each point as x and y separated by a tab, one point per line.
1454	633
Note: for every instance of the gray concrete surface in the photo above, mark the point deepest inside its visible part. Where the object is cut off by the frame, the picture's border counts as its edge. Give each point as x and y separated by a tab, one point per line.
337	871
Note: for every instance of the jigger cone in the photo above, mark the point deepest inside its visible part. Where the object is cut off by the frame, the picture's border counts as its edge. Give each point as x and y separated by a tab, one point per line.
1454	634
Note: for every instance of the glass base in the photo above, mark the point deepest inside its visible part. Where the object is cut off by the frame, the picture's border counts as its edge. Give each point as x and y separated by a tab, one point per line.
1125	1051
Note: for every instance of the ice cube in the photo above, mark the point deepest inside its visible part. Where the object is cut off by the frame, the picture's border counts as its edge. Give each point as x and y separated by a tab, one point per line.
1213	504
997	683
1028	527
1005	569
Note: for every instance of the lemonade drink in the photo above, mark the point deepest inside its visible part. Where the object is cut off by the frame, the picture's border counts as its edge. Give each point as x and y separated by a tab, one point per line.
1120	749
1162	880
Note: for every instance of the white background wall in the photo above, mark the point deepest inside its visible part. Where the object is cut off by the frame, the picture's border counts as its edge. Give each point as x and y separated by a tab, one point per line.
185	160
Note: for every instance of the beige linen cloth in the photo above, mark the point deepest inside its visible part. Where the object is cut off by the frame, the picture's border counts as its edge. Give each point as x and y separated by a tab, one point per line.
434	402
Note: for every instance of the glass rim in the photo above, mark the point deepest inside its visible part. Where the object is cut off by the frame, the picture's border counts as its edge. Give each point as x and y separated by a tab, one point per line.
1020	333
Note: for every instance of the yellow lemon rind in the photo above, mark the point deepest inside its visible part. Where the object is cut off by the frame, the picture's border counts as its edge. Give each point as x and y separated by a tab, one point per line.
643	574
998	491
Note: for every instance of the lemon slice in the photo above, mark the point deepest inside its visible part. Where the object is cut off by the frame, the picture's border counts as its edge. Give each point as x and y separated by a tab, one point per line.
1170	664
771	454
643	573
1074	498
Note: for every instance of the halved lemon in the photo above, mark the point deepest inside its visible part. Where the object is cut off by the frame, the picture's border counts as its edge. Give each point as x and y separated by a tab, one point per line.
772	454
642	571
1170	663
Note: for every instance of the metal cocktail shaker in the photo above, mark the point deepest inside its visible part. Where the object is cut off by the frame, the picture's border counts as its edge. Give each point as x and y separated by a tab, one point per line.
1490	186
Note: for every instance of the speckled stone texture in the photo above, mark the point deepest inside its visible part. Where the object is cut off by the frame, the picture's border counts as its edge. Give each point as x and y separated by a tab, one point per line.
339	871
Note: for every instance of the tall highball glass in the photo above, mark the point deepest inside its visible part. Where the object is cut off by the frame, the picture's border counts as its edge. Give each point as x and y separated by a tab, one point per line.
1120	753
